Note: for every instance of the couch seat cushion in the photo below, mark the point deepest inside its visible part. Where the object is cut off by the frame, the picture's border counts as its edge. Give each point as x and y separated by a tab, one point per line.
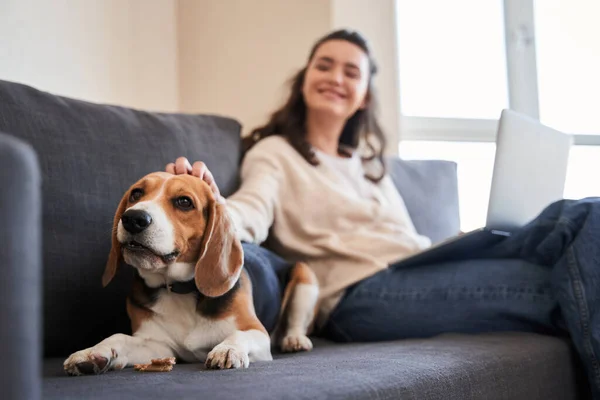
490	366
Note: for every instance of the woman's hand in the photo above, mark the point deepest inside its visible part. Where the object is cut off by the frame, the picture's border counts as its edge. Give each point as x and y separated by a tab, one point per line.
199	169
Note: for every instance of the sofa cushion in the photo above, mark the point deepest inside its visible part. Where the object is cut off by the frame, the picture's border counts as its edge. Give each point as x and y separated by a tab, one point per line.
450	367
430	190
89	154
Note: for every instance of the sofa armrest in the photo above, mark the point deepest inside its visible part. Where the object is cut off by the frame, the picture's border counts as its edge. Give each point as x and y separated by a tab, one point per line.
20	270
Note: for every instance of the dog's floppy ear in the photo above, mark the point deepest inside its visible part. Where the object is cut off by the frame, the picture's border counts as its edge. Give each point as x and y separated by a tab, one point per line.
115	256
221	254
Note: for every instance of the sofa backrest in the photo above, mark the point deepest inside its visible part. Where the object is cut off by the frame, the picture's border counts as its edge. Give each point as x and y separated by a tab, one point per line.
89	154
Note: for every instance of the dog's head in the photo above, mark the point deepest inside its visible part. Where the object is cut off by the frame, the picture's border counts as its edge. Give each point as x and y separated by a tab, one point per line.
165	219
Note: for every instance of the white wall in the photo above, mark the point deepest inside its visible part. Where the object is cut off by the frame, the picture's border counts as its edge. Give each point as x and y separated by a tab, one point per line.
113	51
230	57
236	56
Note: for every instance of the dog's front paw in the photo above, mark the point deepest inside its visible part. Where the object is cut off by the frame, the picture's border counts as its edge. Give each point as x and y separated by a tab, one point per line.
95	360
296	342
225	356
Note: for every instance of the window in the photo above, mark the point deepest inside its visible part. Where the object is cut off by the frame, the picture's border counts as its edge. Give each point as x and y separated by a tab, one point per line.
452	63
568	64
463	63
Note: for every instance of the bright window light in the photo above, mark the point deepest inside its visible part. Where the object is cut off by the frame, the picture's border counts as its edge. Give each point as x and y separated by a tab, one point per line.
568	64
452	58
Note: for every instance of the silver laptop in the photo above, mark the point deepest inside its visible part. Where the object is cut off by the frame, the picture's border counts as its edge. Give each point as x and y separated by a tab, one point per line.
530	170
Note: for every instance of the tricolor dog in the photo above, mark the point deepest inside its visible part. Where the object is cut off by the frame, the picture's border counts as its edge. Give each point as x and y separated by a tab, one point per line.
191	298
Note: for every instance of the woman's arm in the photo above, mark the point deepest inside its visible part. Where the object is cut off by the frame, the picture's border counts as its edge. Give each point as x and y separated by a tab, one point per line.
252	206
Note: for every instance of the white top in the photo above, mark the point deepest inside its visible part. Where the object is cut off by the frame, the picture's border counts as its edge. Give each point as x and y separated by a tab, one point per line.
348	171
345	227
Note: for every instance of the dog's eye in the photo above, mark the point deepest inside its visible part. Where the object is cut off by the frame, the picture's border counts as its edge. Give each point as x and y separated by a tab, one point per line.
135	195
184	203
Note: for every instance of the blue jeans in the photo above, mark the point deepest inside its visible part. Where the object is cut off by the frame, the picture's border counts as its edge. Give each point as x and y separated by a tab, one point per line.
544	278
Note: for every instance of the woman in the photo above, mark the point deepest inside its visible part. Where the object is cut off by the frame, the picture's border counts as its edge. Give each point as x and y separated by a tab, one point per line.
314	184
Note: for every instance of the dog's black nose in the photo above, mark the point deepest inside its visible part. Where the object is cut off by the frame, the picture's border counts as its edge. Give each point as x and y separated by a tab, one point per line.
135	221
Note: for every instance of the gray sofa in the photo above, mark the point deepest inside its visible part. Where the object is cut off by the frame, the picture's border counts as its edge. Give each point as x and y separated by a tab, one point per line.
64	165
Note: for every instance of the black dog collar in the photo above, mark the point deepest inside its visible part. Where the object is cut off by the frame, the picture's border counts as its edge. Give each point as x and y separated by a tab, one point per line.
181	287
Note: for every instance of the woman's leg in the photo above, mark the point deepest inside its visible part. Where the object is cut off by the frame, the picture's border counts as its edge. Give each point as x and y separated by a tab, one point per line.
566	237
514	285
268	273
470	296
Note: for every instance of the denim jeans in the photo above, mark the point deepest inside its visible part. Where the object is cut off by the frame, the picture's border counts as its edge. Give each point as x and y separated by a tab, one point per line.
544	278
269	274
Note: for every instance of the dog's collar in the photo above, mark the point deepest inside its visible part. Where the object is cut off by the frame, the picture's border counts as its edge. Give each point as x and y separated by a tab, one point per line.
181	287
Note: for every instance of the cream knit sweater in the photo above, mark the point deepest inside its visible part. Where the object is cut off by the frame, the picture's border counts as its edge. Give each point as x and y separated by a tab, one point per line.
329	216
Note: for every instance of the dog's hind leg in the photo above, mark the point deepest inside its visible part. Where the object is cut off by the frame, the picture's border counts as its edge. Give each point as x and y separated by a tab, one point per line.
298	309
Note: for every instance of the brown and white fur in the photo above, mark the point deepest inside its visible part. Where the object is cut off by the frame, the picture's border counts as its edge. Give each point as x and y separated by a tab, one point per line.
171	229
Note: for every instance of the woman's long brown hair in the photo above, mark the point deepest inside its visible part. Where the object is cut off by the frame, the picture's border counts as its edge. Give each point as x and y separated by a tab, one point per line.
362	128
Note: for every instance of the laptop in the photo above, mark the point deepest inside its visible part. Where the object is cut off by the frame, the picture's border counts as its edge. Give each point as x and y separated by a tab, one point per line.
530	169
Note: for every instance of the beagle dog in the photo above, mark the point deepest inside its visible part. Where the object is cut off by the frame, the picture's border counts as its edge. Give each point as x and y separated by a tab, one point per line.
191	297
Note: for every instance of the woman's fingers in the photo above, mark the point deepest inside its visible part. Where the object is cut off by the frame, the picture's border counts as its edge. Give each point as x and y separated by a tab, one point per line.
182	166
200	170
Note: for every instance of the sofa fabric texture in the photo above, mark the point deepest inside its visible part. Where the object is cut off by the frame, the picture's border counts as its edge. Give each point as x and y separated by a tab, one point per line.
429	189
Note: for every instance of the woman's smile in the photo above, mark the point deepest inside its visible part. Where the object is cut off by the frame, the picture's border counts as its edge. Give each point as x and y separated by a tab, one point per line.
331	94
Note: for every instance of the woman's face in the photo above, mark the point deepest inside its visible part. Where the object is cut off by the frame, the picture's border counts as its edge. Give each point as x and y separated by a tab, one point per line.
337	79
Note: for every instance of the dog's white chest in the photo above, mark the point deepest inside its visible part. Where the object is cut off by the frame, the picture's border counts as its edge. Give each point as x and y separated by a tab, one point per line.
178	323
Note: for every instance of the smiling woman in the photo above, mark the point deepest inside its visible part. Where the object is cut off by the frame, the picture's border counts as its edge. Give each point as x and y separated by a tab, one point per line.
332	93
